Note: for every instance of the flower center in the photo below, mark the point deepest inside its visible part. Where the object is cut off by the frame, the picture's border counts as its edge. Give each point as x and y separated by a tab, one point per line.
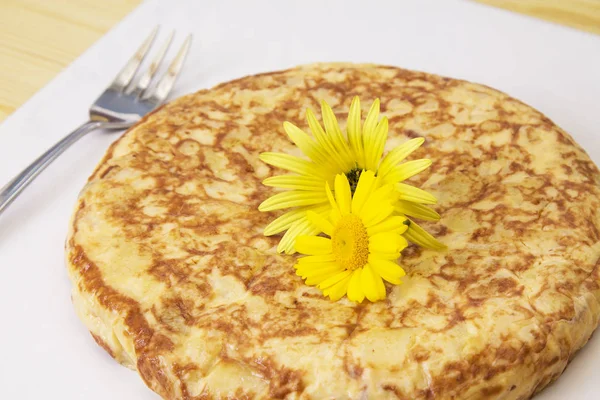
350	242
353	177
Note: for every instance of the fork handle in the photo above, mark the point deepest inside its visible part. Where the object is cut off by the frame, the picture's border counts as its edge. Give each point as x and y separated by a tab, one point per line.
13	188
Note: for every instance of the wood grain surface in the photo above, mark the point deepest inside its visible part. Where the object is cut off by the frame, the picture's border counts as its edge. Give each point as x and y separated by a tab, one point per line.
579	14
38	38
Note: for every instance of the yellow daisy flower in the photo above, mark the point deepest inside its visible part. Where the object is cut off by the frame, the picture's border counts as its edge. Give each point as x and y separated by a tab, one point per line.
330	153
364	242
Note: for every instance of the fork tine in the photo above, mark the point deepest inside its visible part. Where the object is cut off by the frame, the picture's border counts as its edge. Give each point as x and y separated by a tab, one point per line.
127	73
164	86
144	80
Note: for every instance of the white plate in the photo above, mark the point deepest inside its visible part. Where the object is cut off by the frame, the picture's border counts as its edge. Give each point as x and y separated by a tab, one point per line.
46	351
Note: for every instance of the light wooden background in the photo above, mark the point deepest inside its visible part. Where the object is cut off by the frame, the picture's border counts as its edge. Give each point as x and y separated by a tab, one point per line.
38	38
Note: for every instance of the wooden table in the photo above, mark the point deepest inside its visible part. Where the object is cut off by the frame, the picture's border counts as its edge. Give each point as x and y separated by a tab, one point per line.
38	38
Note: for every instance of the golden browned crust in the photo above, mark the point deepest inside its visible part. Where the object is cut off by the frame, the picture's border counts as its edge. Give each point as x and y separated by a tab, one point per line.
173	277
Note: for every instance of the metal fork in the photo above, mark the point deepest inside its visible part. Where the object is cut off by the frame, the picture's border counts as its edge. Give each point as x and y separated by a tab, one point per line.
121	105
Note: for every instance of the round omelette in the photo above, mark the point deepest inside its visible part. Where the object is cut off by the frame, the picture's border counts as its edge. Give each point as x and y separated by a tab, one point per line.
173	276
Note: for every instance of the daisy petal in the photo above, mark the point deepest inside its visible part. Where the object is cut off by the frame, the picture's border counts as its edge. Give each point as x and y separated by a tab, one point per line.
385	256
419	236
331	125
313	245
319	222
416	195
364	189
293	164
354	131
378	206
398	154
416	210
283	222
387	242
324	258
325	141
392	224
316	129
343	196
370	124
333	130
315	280
369	132
379	281
304	142
286	220
297	182
369	284
293	198
384	194
313	269
373	215
335	210
355	292
334	279
406	170
378	140
300	227
338	290
334	216
388	270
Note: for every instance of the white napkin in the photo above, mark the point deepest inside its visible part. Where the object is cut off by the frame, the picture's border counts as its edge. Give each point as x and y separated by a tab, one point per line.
46	351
